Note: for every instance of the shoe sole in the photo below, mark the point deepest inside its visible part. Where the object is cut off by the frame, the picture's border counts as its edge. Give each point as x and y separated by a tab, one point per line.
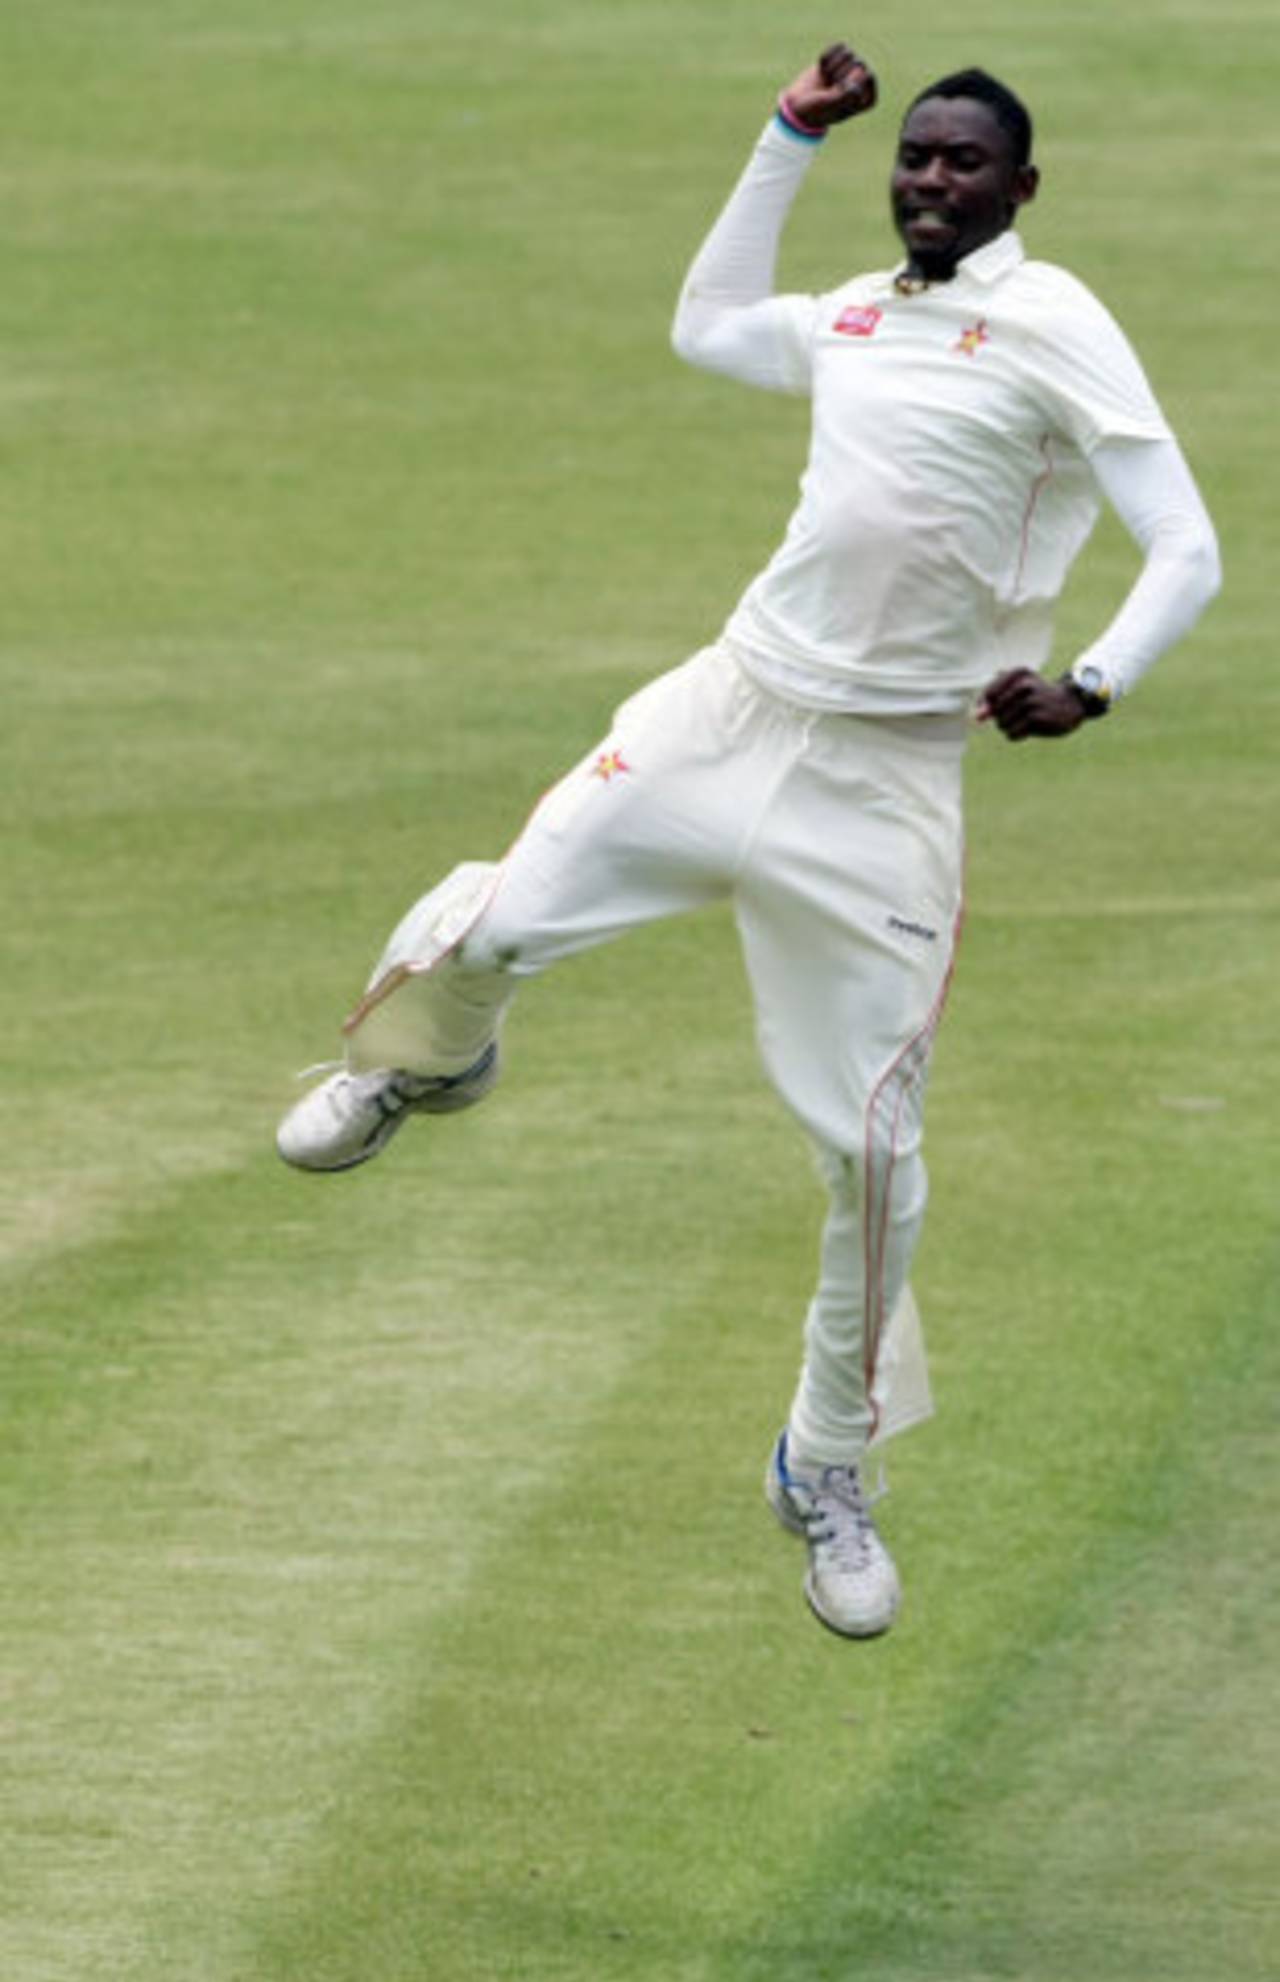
465	1094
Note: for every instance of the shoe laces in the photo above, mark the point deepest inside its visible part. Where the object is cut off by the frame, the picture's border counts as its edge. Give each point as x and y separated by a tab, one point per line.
321	1067
390	1092
837	1513
395	1082
392	1089
405	1087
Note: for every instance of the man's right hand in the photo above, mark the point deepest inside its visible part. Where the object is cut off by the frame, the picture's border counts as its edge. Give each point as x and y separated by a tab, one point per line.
838	85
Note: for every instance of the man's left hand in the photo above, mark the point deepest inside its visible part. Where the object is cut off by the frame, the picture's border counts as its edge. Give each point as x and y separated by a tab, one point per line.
1022	703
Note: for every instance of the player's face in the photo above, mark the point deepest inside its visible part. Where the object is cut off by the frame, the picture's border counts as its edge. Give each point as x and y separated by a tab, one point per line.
955	184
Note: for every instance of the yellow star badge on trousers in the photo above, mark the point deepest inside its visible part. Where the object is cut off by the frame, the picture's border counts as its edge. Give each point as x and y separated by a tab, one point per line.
609	764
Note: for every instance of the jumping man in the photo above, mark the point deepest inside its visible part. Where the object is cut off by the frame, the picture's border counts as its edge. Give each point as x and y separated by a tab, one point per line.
971	409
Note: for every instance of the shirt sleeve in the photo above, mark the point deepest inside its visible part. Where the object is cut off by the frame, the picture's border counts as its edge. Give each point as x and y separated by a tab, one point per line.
1151	489
1091	377
728	318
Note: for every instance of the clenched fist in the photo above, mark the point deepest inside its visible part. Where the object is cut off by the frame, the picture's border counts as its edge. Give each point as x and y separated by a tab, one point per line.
838	85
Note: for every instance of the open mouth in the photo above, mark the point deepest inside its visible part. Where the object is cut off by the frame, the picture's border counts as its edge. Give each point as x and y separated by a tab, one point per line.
928	220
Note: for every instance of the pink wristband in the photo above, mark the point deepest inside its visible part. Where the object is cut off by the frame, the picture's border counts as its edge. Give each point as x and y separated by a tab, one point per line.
790	118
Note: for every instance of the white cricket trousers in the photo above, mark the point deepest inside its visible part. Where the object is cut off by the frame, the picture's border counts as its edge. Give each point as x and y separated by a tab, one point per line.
838	840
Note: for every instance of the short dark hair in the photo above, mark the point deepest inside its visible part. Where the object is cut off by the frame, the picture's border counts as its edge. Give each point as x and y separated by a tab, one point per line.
1008	110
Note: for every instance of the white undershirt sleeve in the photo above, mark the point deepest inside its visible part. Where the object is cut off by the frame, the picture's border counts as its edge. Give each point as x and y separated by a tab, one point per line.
728	318
1150	487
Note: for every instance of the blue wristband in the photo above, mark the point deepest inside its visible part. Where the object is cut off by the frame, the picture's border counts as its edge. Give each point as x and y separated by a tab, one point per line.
807	133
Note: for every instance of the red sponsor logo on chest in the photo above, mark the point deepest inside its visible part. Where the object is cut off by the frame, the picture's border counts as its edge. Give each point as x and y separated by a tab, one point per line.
859	320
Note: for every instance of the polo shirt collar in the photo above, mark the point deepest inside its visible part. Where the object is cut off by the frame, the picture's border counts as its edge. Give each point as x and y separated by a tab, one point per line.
989	263
998	258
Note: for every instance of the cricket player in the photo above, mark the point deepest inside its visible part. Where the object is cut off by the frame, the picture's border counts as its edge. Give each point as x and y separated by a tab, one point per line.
971	409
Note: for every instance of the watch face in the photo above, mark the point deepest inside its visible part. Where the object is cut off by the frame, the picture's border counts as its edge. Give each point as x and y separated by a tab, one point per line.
1090	679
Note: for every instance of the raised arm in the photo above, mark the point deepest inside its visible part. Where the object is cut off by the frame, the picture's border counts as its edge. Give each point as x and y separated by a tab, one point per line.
728	318
1151	489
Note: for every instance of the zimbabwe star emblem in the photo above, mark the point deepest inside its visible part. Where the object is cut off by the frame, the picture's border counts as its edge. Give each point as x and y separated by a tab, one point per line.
971	341
609	764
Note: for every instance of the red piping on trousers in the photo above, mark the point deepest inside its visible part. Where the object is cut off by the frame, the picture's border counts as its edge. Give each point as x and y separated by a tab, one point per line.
919	1045
402	972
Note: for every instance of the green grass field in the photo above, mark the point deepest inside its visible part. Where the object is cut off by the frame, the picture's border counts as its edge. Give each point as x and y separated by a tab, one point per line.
388	1592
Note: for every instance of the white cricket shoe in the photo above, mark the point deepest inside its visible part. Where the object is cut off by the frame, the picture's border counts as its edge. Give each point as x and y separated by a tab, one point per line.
851	1583
350	1117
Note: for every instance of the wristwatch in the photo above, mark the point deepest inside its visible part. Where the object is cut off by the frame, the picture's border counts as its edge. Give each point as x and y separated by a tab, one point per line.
1090	685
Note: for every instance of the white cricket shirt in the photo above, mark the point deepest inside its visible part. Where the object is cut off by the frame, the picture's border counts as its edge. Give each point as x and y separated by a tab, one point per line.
948	487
